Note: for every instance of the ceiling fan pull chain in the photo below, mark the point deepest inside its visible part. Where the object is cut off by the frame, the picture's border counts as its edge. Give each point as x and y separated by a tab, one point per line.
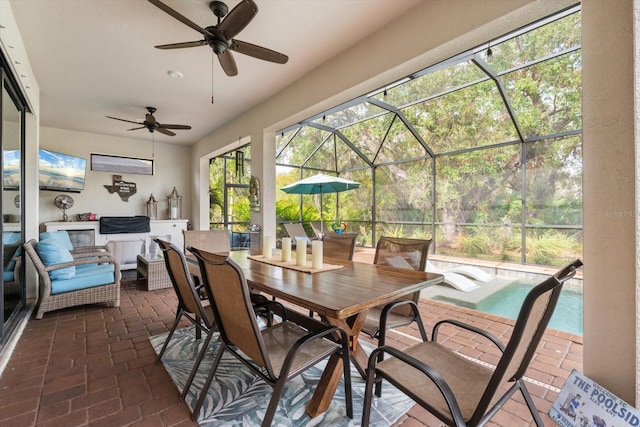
212	65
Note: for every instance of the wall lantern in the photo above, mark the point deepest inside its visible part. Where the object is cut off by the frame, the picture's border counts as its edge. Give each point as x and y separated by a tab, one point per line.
175	205
152	208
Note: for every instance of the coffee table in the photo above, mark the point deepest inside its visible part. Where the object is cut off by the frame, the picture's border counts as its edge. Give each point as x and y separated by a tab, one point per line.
152	270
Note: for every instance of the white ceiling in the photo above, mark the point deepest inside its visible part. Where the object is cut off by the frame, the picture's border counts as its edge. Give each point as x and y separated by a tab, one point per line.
93	58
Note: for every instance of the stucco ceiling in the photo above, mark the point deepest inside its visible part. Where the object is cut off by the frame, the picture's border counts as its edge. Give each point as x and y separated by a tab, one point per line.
93	58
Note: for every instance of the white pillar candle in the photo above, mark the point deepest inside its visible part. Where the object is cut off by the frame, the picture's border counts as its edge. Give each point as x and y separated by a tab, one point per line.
301	252
267	245
286	249
316	254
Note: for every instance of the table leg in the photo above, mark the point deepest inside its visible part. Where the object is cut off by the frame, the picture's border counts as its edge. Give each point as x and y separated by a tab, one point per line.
328	384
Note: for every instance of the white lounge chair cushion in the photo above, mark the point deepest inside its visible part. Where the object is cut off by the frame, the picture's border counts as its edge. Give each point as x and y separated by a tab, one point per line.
454	280
473	272
459	282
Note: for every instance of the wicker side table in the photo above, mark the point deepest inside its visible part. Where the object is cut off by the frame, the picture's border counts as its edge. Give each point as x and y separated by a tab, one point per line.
153	272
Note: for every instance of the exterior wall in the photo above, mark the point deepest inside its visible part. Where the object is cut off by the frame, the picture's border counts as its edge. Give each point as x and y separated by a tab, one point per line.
171	162
610	195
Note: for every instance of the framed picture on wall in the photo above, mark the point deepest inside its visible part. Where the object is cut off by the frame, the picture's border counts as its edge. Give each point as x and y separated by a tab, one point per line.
120	164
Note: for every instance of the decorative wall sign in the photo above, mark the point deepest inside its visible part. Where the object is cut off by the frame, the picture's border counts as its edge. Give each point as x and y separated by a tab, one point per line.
583	402
123	188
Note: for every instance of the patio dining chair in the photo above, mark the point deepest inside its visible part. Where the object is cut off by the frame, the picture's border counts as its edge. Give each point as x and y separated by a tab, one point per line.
276	353
340	246
458	390
190	302
400	253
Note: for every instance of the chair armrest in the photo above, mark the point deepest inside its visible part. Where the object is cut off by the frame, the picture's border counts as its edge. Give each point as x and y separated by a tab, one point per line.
88	249
328	331
434	376
487	335
101	260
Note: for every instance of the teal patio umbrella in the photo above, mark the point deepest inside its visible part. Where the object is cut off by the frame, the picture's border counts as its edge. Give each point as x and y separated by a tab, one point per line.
320	184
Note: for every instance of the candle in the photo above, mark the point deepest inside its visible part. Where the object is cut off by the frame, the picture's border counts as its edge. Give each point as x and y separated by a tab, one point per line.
267	245
316	254
174	212
286	249
301	252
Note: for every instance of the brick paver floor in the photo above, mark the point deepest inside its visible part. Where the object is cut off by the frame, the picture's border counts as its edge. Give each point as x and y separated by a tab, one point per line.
95	366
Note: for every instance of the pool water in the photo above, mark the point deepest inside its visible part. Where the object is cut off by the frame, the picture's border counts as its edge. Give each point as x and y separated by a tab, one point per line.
507	302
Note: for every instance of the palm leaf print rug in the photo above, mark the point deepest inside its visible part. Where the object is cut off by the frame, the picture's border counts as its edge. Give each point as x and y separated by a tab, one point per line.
239	398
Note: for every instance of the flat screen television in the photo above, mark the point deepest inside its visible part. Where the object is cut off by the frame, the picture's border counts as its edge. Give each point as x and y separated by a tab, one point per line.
11	169
61	172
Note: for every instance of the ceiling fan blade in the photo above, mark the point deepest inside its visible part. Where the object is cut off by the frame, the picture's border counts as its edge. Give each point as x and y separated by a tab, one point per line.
258	52
166	132
182	45
173	126
179	17
228	63
122	120
238	18
141	127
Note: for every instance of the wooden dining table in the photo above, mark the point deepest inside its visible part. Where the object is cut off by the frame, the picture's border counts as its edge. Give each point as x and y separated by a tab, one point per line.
341	297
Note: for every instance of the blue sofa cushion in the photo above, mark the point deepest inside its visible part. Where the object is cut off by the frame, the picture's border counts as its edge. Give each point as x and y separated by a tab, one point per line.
60	236
51	252
87	276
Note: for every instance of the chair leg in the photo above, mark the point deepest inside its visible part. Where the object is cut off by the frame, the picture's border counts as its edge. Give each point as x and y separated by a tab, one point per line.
368	396
198	330
381	341
529	401
207	384
346	364
273	403
173	329
196	365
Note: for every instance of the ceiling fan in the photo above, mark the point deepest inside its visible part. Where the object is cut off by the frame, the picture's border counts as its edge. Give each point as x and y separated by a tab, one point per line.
220	37
151	124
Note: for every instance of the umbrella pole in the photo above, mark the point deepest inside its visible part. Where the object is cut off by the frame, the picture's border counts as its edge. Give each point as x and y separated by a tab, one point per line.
321	219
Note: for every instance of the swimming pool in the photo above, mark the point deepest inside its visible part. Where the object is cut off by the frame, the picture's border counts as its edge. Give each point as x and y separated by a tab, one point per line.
507	302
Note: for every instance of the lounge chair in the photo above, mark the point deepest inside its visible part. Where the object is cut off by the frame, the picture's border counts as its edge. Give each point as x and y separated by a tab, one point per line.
68	281
297	232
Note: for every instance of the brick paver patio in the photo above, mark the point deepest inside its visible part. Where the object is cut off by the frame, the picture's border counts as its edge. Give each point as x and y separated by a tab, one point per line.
94	366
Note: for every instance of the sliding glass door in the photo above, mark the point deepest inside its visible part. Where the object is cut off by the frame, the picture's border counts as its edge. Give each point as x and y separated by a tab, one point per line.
12	129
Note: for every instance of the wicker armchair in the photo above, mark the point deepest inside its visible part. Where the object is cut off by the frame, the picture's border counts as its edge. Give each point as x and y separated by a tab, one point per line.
96	280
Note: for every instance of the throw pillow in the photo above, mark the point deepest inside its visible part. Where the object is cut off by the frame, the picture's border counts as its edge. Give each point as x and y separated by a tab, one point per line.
51	252
60	236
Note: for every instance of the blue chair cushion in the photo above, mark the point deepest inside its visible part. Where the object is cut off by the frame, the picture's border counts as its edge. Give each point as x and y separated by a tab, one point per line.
60	236
51	252
7	276
87	276
9	237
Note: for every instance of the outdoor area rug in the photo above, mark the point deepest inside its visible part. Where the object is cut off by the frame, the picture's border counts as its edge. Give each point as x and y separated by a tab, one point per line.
239	398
